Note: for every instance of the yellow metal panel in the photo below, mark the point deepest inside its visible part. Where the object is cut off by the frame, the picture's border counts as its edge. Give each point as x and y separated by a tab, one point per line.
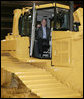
52	5
17	14
61	54
49	5
18	47
61	34
8	45
78	17
62	6
75	77
61	48
72	75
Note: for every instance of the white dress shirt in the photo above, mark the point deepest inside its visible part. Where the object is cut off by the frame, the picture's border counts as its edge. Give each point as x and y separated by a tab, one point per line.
44	32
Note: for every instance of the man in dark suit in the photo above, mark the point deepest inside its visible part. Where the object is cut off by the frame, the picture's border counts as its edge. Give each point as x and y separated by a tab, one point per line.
43	36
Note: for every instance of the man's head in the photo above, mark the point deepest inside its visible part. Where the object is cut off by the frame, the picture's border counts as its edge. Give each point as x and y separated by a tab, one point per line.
43	22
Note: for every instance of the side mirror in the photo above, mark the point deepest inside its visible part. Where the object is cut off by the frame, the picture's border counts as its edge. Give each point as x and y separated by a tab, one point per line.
76	26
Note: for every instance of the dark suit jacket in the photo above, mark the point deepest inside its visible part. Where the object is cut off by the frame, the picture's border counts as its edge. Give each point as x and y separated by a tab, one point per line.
40	33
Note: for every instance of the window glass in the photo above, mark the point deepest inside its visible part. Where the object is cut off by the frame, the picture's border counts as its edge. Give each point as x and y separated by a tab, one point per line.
61	19
25	22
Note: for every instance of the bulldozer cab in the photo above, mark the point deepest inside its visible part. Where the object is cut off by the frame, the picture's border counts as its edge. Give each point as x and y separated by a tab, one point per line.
58	19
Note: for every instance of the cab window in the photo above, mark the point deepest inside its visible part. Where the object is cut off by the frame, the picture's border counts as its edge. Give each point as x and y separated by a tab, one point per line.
61	19
25	22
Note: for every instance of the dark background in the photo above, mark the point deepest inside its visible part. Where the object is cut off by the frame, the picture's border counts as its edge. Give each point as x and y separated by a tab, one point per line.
7	8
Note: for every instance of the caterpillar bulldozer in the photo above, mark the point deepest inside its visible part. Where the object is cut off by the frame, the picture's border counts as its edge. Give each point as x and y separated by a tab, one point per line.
59	73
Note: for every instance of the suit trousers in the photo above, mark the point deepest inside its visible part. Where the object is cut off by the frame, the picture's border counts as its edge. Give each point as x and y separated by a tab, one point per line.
43	45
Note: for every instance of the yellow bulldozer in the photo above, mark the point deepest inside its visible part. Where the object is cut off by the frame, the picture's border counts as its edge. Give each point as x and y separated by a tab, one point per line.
59	73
